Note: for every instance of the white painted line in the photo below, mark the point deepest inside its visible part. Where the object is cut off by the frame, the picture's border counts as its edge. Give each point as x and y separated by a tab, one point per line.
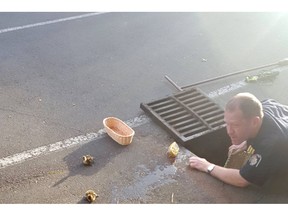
83	139
79	140
47	22
226	89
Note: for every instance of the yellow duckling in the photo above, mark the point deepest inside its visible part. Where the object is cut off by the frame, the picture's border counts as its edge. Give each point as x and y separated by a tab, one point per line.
88	160
173	150
91	196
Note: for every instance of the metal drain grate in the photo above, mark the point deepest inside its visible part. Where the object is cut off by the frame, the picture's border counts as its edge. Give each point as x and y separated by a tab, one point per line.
193	120
187	114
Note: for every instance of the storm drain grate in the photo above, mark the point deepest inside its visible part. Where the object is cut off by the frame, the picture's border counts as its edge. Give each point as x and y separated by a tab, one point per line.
187	114
193	120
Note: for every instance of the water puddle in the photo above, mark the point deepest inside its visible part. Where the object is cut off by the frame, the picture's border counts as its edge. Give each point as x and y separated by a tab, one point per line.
146	179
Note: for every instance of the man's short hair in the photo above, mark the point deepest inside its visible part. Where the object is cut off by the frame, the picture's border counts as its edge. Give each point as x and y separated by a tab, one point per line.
247	103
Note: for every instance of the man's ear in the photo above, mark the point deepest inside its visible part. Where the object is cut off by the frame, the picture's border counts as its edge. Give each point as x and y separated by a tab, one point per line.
256	121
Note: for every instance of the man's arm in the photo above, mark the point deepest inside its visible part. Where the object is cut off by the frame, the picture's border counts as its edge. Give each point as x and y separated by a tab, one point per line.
227	175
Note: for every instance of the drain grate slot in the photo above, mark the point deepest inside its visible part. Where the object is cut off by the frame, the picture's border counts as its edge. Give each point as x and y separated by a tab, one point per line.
206	109
212	114
202	102
214	119
189	128
194	114
180	124
164	110
161	103
174	116
192	133
169	112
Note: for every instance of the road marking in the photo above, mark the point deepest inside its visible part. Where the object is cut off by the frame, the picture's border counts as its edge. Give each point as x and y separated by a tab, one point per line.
83	139
227	88
47	22
79	140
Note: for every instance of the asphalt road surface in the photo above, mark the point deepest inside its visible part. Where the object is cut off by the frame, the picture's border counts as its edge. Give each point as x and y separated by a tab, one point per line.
61	74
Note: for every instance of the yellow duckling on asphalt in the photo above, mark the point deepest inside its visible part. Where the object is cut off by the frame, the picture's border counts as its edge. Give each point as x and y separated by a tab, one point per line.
91	196
173	150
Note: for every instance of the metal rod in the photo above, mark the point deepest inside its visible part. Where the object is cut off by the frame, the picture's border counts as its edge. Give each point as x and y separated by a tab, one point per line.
283	62
228	75
173	83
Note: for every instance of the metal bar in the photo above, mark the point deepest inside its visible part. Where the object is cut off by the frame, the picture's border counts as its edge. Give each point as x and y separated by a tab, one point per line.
281	63
173	83
230	74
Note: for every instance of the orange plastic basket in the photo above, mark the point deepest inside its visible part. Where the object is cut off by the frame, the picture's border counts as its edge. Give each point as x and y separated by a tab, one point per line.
118	130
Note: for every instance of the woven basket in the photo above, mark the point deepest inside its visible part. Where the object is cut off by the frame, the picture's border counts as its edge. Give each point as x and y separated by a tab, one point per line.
118	130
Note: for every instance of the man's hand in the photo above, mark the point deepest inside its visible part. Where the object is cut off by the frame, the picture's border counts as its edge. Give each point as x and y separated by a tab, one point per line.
199	163
233	149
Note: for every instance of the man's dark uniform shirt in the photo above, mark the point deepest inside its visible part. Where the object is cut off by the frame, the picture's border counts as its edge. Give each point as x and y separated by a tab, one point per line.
271	145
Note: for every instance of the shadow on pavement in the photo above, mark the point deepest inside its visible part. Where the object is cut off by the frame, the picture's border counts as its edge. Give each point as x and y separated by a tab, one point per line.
102	150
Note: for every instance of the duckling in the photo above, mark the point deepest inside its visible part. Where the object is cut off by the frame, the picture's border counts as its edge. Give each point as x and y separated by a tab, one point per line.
91	196
88	160
173	150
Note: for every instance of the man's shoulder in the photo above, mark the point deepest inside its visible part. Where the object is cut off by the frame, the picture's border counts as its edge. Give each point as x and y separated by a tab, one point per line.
272	103
274	109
